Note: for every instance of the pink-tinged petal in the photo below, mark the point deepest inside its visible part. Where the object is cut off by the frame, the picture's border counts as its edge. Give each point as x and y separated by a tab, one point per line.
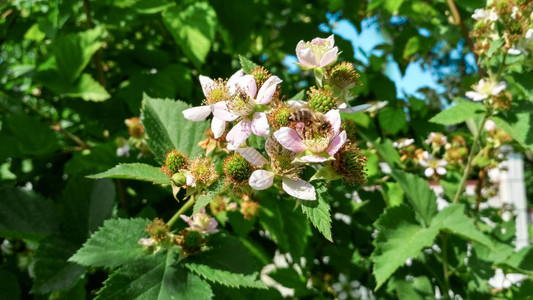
476	96
221	111
217	127
289	139
206	83
441	170
336	143
198	113
307	58
331	40
498	88
260	125
299	46
239	133
329	58
299	188
190	180
147	242
354	109
261	180
429	172
297	103
247	83
252	156
187	219
232	81
267	90
314	158
334	118
212	227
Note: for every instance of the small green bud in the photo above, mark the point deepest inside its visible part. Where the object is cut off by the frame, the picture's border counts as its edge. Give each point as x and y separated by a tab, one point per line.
342	76
179	179
193	239
260	74
322	100
175	160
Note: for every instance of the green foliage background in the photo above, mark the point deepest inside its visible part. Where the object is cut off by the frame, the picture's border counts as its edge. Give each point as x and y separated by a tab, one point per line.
72	71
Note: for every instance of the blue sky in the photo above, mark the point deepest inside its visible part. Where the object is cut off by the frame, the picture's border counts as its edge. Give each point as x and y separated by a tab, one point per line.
364	43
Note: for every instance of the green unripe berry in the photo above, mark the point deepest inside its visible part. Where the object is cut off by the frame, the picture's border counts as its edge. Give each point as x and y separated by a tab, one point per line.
322	100
175	160
193	239
237	168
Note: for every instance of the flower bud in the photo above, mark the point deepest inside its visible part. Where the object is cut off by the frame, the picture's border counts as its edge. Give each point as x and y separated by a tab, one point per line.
174	161
135	127
350	164
179	179
190	241
322	100
237	169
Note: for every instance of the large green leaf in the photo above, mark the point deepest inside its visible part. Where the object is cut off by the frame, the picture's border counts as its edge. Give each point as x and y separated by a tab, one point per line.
25	214
52	270
73	52
115	244
458	113
517	122
392	120
156	277
136	171
86	88
319	211
193	29
287	227
421	197
167	129
226	278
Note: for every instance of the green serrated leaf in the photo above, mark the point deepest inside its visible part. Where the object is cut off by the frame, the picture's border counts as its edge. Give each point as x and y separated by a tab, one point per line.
226	278
421	197
459	113
52	270
167	129
136	171
155	277
114	244
517	122
318	211
452	219
204	199
392	120
25	214
399	238
246	64
86	88
193	29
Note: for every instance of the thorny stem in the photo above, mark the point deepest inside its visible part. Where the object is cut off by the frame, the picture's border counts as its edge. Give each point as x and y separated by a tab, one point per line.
183	209
76	139
97	55
471	155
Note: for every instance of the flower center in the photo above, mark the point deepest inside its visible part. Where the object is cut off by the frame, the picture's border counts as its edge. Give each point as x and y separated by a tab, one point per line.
319	47
316	140
241	104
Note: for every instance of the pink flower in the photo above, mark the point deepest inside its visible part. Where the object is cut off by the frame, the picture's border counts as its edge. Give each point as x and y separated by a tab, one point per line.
316	148
262	179
432	165
214	92
244	104
202	222
318	53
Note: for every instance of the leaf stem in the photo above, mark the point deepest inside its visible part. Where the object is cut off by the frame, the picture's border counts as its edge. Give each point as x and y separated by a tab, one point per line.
182	209
471	155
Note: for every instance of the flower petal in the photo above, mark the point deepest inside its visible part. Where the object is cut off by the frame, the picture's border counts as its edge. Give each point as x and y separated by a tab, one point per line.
429	172
336	143
232	81
354	109
261	180
297	103
221	111
299	188
499	88
247	83
476	96
441	170
206	83
260	125
190	180
267	90
330	57
306	57
186	219
289	139
239	133
198	113
334	118
253	156
217	127
314	158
